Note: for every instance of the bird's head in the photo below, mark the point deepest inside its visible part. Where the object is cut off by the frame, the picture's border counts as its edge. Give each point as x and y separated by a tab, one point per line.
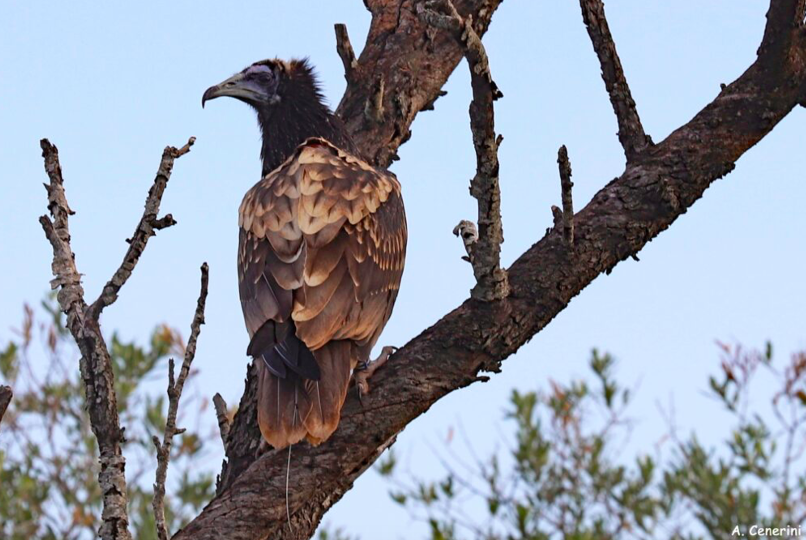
266	83
289	104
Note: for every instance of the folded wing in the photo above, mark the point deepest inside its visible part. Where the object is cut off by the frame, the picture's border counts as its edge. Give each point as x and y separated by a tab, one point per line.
321	254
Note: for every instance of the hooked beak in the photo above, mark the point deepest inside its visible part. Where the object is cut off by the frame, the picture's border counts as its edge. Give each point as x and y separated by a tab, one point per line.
235	87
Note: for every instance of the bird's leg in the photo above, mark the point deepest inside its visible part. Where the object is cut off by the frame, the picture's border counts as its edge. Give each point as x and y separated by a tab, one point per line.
365	370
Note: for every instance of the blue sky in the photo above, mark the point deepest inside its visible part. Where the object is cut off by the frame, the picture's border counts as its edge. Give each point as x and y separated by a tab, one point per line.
111	85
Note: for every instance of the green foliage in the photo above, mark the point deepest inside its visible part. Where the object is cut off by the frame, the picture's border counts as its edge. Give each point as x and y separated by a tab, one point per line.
48	453
566	477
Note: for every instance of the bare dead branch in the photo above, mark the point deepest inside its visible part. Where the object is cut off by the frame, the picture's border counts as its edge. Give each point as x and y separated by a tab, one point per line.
630	130
221	414
82	321
491	279
96	369
5	398
467	231
174	395
568	203
345	50
146	228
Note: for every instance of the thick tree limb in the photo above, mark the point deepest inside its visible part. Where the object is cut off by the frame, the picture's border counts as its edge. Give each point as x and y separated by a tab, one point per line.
82	321
414	63
626	214
630	130
5	398
491	279
175	388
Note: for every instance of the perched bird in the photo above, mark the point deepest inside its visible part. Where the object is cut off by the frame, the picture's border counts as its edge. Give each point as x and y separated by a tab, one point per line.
321	251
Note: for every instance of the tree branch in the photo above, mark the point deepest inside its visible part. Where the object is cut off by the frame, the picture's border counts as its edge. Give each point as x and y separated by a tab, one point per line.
345	50
5	398
82	321
174	395
491	279
414	66
620	219
146	228
630	130
221	415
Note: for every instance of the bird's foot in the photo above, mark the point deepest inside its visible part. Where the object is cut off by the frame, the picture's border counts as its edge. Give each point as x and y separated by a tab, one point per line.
365	370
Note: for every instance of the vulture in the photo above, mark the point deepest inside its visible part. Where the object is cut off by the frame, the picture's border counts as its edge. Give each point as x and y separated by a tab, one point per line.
321	250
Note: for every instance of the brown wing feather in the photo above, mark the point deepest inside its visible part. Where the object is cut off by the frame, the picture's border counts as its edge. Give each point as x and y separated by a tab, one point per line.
323	241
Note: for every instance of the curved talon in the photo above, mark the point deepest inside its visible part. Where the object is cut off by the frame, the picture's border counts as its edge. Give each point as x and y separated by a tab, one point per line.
365	370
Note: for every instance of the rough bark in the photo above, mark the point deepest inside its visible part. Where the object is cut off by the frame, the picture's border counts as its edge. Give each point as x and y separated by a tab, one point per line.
657	186
566	188
82	321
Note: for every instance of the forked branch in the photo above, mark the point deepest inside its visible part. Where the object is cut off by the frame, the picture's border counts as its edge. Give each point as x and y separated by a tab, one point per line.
82	321
146	228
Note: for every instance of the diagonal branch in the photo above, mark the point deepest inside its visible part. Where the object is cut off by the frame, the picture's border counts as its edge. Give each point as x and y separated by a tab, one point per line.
146	228
5	398
174	395
82	321
630	130
345	50
491	280
621	218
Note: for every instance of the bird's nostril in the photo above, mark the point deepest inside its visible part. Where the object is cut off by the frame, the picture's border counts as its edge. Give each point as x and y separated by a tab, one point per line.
230	84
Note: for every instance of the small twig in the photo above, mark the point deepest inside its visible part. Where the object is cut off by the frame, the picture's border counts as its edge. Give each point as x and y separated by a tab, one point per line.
568	203
174	394
491	279
149	223
630	130
5	398
557	214
467	231
345	50
222	417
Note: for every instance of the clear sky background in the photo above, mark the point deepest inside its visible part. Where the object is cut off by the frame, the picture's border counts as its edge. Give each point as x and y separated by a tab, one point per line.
112	84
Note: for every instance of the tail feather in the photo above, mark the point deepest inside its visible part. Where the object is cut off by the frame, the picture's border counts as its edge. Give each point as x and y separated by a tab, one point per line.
283	408
328	393
292	407
300	393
